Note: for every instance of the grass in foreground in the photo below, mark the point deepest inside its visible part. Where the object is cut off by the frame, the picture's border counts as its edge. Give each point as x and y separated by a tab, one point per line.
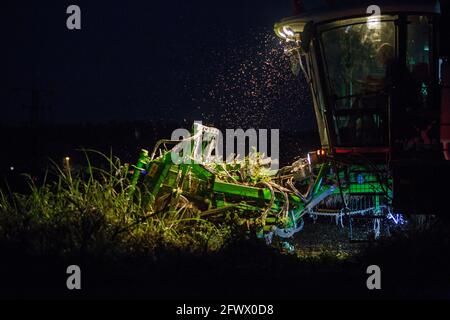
91	212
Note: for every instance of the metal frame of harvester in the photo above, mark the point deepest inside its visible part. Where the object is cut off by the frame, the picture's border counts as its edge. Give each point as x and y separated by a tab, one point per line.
246	192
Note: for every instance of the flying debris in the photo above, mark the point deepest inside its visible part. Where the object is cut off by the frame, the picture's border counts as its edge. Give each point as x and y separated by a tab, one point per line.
253	89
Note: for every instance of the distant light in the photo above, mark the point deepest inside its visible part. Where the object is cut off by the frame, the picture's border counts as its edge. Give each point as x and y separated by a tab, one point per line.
309	159
11	168
288	32
67	159
374	23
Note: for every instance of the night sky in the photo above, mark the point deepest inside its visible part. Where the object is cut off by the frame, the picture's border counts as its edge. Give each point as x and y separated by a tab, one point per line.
151	60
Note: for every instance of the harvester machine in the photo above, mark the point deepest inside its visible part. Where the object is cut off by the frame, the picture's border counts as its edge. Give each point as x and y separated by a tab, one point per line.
380	93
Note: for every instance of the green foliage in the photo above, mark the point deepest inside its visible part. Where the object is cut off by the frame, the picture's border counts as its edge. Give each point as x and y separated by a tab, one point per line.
91	212
248	171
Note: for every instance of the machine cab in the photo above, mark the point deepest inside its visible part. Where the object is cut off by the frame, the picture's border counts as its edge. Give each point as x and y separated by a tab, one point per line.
373	73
